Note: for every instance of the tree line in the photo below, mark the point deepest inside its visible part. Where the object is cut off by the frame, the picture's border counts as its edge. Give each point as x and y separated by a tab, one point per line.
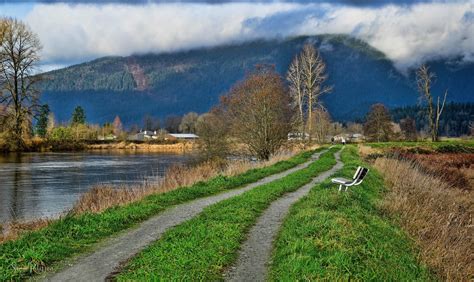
457	118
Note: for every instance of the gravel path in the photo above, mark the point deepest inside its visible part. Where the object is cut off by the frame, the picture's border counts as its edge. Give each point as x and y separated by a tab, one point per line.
99	264
255	253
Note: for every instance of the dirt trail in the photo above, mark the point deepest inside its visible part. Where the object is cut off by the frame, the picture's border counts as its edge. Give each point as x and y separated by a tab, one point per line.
254	256
102	262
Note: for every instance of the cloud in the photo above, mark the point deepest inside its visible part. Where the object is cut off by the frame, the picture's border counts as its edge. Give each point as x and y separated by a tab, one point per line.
407	34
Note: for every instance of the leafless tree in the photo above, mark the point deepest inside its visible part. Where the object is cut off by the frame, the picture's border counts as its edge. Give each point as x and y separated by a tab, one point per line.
188	123
118	127
19	56
297	93
258	111
314	76
213	142
424	78
378	125
321	124
408	128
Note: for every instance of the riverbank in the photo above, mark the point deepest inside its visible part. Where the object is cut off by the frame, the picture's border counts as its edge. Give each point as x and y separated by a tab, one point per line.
144	147
43	145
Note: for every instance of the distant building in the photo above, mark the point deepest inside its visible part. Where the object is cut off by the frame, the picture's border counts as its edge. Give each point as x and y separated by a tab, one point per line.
148	135
182	136
356	137
109	137
144	136
297	136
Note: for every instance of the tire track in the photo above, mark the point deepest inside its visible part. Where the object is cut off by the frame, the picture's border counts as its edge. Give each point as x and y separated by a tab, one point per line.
254	256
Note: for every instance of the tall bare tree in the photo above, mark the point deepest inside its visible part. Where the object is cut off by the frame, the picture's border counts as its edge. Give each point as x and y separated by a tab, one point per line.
314	76
297	93
424	79
19	56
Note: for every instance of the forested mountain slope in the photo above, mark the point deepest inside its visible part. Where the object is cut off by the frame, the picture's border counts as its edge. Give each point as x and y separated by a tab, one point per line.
176	83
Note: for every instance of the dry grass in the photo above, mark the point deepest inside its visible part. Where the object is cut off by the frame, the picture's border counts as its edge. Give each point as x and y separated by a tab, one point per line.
365	151
455	169
12	230
437	216
101	197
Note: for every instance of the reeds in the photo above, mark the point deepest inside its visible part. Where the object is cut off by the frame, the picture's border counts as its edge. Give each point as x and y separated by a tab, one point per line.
436	215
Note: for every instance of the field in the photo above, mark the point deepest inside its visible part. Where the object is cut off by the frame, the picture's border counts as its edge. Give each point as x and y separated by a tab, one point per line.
430	194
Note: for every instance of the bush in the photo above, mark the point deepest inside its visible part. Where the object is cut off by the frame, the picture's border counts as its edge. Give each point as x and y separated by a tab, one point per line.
454	148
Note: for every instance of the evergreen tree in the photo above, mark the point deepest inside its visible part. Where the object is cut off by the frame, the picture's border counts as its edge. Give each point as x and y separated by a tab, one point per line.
42	124
78	116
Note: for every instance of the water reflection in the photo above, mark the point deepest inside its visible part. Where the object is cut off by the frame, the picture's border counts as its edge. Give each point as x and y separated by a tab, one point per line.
36	185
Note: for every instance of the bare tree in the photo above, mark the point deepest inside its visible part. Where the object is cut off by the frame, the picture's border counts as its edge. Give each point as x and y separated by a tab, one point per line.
258	111
297	93
314	77
19	56
118	127
172	123
213	142
424	79
408	128
188	123
378	125
321	124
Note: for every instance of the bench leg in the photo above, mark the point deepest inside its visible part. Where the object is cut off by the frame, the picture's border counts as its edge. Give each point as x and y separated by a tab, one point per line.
340	187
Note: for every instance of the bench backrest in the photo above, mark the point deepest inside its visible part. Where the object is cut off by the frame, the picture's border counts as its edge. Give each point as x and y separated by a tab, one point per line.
356	174
360	174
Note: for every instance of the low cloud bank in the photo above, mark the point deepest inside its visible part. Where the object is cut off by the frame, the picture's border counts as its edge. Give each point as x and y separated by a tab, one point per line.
407	34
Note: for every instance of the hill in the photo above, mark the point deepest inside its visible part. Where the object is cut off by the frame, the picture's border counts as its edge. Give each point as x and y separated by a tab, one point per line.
176	83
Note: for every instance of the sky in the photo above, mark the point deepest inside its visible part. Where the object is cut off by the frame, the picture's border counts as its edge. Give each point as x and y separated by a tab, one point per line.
408	32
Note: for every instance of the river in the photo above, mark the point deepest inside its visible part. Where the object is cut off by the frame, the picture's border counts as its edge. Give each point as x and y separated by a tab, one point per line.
35	185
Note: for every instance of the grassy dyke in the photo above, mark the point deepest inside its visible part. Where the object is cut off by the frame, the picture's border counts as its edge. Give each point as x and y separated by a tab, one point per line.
344	236
34	251
202	247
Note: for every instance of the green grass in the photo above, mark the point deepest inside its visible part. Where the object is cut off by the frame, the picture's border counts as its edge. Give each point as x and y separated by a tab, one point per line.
71	235
427	144
202	247
344	236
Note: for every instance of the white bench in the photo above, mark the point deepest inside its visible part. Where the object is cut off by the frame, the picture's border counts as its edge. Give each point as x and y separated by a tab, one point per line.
359	176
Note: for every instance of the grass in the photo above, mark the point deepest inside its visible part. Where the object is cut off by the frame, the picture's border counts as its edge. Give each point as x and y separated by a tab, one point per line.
34	251
438	217
330	235
427	144
201	248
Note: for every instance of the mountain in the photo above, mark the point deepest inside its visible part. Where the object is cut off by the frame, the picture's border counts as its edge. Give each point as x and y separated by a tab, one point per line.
176	83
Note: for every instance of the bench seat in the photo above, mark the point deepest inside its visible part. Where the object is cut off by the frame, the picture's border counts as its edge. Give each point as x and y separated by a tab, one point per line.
341	180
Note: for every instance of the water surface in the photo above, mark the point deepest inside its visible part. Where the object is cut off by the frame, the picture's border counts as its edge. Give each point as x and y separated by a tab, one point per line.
34	185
